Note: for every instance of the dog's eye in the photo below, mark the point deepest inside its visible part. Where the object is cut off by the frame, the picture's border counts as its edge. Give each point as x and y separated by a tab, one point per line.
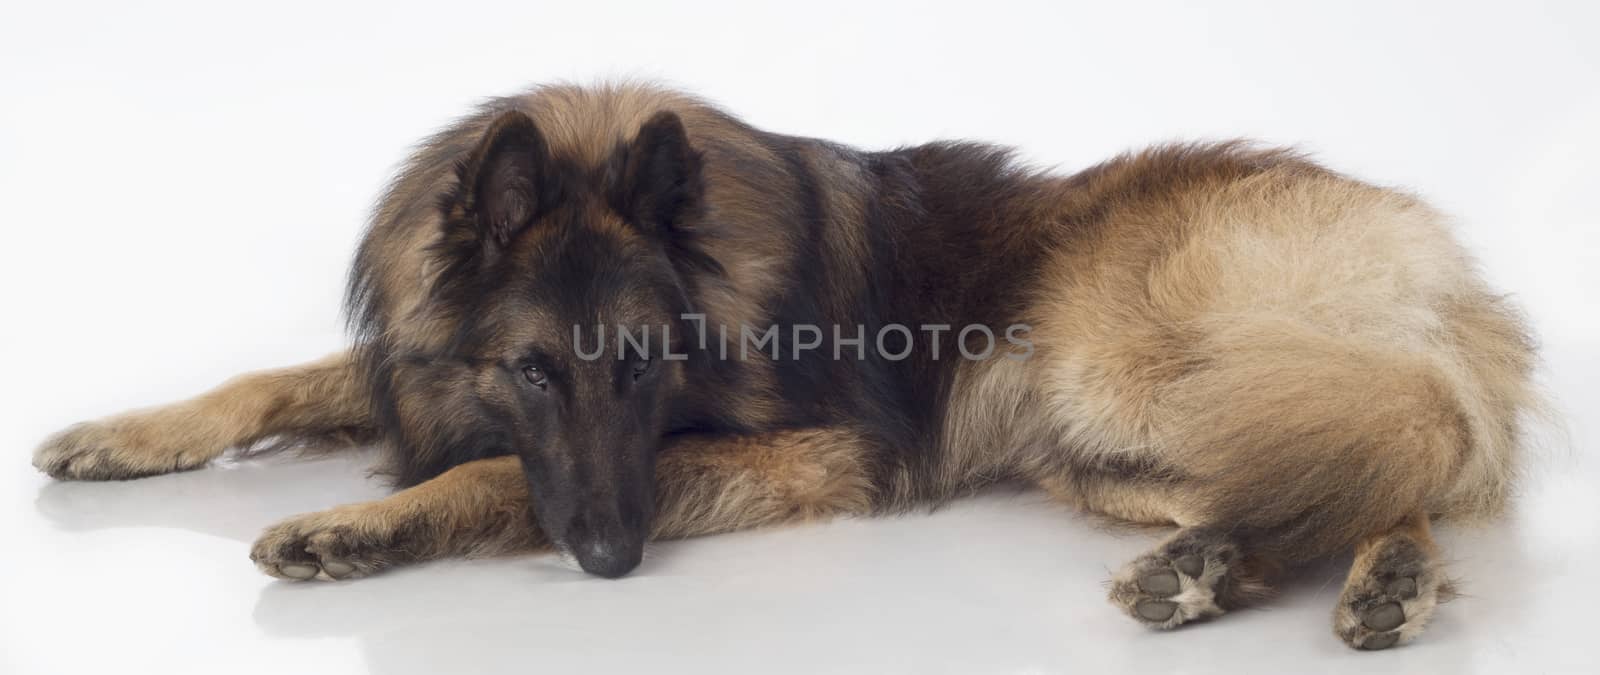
640	367
535	376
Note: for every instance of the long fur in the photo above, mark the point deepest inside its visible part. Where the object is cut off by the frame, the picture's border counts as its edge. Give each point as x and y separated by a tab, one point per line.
1224	337
1208	318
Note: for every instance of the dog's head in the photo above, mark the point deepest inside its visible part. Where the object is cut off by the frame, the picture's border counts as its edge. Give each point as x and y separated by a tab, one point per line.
546	260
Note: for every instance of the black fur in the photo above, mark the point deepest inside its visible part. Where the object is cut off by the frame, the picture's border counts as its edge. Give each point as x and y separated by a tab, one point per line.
947	242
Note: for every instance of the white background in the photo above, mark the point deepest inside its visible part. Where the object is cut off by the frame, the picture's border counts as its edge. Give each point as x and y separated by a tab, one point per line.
181	187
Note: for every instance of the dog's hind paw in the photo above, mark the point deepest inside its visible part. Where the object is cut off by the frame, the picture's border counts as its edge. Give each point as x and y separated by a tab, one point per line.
1197	574
1391	601
119	448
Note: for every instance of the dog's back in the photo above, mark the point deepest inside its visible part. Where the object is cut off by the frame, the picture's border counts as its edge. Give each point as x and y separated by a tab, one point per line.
1284	362
1186	305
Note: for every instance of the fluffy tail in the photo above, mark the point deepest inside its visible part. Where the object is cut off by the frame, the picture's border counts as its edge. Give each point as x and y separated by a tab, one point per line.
1307	443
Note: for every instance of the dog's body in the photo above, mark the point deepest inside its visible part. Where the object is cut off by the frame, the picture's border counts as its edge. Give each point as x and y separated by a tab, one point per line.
1283	362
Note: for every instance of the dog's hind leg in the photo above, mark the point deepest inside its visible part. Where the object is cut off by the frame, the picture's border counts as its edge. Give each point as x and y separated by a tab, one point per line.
1393	587
1198	573
322	401
705	484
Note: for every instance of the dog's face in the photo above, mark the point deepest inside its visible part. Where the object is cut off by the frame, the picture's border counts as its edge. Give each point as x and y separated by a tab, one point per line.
546	262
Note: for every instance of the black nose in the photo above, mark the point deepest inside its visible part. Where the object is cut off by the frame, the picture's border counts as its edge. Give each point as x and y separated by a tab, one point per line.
608	559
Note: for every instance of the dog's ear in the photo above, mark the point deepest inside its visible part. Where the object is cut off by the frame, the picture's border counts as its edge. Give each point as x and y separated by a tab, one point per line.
657	185
505	183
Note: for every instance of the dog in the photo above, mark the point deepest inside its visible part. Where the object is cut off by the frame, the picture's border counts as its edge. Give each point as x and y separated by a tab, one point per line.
584	317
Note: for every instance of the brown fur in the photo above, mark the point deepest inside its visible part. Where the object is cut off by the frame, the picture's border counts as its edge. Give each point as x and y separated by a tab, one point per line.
1196	574
323	403
1394	569
708	485
476	509
1227	339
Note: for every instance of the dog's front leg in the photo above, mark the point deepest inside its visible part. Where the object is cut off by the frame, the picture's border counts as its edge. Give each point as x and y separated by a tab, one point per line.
705	484
479	508
322	402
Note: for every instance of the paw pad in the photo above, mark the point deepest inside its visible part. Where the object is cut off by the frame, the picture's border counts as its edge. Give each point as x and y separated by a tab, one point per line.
1160	584
1190	577
1191	565
1384	617
1156	610
1381	641
337	569
1404	588
339	544
1390	595
298	571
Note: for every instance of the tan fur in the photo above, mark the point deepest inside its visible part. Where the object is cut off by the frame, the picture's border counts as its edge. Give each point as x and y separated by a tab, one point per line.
706	485
322	401
477	509
1283	361
719	484
1405	554
1207	573
584	123
1231	329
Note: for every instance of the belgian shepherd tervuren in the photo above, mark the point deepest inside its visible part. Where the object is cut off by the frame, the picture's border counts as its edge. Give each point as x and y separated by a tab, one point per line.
588	316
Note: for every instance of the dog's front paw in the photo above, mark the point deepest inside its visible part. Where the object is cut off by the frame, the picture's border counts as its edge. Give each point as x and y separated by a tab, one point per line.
348	542
131	446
